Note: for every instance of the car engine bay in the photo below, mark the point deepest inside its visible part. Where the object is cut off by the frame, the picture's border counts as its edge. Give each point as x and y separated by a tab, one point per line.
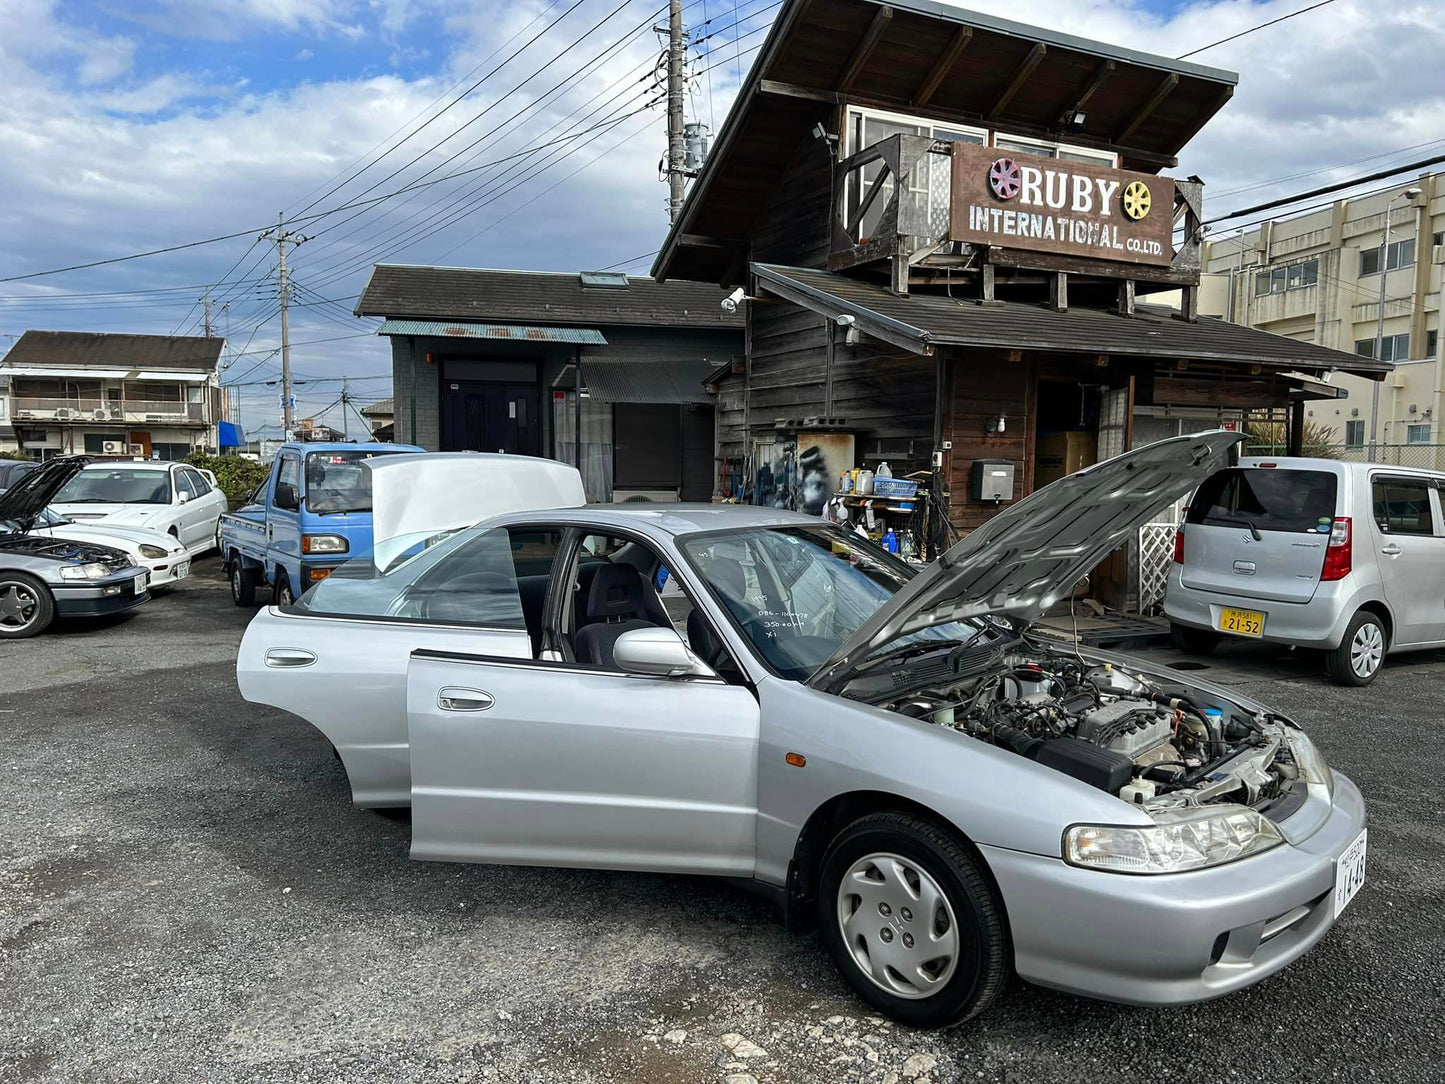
1157	745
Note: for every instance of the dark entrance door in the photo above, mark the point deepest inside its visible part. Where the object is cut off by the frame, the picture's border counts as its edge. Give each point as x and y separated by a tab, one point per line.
484	416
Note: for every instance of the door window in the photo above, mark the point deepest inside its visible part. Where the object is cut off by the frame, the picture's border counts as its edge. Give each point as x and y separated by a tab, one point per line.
185	486
1402	506
464	578
198	482
289	475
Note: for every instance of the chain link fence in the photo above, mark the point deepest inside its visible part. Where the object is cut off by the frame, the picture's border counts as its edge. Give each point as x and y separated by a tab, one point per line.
1422	456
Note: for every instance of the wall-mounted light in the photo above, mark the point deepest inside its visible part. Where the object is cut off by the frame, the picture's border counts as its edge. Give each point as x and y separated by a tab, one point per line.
998	423
1077	120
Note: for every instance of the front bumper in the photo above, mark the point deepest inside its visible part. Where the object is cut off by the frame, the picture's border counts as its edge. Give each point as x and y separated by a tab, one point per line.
1318	623
169	570
97	598
1180	938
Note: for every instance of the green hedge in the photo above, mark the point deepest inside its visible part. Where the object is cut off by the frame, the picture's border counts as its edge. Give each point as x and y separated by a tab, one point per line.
238	476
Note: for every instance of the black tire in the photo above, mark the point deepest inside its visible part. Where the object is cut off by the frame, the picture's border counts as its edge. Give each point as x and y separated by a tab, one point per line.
243	583
281	594
26	606
1193	641
1367	635
983	959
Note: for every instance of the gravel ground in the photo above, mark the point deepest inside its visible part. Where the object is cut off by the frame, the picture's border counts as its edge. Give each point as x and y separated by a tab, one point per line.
186	893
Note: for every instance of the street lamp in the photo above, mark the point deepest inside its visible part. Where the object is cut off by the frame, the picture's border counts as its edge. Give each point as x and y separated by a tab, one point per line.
1410	194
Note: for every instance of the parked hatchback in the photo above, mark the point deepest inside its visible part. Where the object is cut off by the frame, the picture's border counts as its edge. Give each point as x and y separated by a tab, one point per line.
1344	557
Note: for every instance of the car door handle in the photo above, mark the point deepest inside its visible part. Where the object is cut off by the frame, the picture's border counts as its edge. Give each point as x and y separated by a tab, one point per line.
1391	550
464	700
289	657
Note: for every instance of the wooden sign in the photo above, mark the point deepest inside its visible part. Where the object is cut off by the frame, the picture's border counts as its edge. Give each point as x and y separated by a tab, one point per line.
1022	201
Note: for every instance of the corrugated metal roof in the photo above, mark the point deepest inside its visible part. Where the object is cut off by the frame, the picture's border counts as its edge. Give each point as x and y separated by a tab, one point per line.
398	291
381	406
103	349
444	329
647	381
920	321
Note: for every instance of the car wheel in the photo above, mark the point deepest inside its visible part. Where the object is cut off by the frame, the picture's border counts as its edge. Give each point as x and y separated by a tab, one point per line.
26	608
282	594
1193	641
911	920
1361	652
243	584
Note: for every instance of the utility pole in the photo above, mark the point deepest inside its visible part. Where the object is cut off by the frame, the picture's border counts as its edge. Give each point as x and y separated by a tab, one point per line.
283	237
676	89
345	407
207	301
1410	194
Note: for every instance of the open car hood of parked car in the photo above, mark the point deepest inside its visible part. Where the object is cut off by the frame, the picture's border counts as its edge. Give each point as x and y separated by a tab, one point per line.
27	498
422	494
1031	555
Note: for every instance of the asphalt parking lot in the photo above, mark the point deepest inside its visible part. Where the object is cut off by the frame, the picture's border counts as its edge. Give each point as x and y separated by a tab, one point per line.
186	893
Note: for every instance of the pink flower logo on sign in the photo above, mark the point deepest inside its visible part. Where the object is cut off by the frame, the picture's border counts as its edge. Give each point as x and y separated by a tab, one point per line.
1003	178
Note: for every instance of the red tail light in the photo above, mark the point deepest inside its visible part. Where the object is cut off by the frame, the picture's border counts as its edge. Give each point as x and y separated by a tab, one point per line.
1339	554
1179	545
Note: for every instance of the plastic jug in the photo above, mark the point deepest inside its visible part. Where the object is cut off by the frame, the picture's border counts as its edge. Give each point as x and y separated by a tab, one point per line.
885	471
865	483
890	541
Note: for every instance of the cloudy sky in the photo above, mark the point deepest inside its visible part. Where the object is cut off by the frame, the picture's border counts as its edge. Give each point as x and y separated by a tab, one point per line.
136	124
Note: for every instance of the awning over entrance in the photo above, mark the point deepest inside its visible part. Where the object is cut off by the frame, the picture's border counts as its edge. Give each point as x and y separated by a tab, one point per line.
920	322
450	329
673	382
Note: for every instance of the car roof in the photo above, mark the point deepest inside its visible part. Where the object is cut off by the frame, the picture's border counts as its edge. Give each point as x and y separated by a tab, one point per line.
141	464
347	446
1335	466
666	519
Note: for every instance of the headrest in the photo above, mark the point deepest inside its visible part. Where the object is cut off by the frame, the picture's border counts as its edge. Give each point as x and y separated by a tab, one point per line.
616	592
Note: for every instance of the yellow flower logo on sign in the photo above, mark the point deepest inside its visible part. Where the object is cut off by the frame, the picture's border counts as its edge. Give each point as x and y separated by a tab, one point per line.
1137	200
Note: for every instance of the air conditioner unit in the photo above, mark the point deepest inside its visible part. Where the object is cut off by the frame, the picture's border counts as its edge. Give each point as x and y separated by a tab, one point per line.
135	449
63	414
112	447
100	415
644	496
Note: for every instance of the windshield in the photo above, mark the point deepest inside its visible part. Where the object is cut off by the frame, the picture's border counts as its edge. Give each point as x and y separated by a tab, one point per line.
1266	499
117	485
337	482
799	593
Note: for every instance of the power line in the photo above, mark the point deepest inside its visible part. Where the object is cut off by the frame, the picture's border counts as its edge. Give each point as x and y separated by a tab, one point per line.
1252	29
1336	187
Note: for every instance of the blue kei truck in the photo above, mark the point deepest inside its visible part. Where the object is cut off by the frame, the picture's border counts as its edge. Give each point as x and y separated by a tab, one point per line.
311	515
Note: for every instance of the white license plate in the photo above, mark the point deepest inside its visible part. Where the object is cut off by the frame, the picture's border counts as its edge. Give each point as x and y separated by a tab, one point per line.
1349	873
140	583
183	570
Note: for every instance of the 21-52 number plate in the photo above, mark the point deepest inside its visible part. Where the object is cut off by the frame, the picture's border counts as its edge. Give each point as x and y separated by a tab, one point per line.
1241	622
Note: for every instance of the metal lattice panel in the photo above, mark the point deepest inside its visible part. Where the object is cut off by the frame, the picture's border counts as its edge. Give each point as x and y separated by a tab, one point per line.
1156	553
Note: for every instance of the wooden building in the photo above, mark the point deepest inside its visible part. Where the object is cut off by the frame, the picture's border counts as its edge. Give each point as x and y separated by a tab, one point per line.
951	227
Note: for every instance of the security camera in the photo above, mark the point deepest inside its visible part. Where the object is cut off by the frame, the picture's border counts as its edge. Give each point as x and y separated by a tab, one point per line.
734	299
845	320
822	135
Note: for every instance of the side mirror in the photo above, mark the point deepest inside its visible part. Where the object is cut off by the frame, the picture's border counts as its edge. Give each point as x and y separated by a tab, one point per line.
182	497
286	496
658	652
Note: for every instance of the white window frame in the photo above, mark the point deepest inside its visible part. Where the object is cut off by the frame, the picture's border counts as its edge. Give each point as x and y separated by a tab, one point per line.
1092	153
1411	428
904	118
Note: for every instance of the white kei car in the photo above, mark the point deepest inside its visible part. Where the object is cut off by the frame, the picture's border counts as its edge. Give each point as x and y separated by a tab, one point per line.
160	554
172	498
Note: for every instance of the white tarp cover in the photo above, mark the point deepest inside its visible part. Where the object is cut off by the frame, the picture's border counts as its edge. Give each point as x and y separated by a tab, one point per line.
424	493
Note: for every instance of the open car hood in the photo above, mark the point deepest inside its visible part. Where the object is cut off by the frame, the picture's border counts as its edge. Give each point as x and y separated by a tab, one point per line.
27	498
421	494
1032	554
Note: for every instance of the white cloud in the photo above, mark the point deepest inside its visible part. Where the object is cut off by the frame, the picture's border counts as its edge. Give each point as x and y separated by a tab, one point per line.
93	171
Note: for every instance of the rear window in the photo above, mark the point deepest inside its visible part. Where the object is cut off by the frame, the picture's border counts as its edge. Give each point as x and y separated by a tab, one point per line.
1267	500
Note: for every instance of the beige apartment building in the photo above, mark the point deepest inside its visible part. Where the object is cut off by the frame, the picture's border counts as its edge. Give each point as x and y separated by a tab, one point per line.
1316	277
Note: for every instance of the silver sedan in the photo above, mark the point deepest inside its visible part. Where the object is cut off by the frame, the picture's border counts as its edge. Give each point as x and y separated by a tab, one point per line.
891	753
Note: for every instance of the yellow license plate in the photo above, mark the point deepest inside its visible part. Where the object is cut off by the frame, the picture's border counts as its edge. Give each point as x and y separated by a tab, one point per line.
1241	622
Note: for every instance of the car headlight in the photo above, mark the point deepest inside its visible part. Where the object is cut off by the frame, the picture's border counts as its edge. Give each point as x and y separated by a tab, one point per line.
92	571
155	553
323	543
1311	765
1179	840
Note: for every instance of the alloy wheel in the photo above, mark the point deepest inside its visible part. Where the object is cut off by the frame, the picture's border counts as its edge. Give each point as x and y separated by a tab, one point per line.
898	925
283	594
19	606
1367	649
